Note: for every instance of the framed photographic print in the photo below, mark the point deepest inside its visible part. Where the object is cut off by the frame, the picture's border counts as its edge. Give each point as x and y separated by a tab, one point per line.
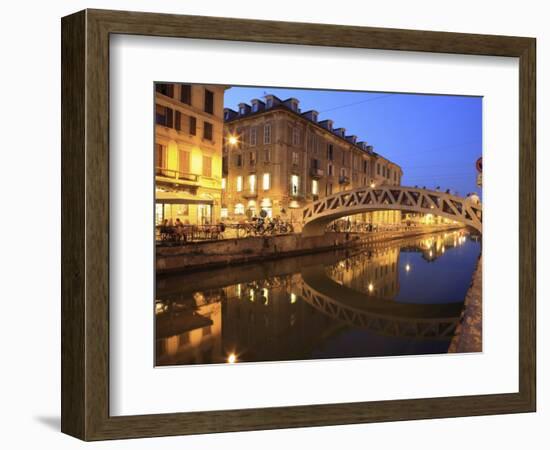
270	224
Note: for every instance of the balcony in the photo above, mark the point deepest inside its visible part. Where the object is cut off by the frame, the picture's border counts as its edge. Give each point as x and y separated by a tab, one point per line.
316	173
176	176
343	179
249	194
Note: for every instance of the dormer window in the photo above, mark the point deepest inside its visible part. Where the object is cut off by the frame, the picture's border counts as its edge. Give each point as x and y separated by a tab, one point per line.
254	107
314	116
269	103
242	110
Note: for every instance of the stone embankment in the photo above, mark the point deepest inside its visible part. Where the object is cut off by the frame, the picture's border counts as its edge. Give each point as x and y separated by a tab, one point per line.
224	252
468	334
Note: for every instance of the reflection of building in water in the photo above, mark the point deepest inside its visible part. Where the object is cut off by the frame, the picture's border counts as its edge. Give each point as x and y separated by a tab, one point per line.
267	320
373	272
189	332
435	246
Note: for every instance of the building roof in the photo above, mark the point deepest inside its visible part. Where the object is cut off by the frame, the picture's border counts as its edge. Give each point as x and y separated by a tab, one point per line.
283	107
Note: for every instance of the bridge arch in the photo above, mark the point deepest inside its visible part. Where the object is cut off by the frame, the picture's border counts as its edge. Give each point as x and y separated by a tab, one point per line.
320	213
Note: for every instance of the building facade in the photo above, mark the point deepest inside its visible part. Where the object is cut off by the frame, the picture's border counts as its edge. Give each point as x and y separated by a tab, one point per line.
188	153
277	159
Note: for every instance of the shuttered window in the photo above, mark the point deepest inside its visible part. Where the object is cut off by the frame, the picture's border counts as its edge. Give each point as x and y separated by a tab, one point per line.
207	166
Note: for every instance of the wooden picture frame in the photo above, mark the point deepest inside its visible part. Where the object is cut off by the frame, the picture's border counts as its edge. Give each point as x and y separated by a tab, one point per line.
85	224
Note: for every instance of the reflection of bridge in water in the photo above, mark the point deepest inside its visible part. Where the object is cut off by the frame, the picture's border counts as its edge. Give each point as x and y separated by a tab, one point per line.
379	315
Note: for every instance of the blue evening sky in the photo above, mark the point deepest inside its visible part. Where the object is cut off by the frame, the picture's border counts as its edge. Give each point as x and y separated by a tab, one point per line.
436	139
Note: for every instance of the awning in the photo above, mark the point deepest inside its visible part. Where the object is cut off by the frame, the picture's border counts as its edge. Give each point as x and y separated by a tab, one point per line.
182	198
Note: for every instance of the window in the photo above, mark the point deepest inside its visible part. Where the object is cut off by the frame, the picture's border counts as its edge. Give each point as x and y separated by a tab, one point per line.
294	184
239	208
224	183
252	183
267	155
184	158
164	116
252	158
314	187
240	185
253	137
207	132
207	166
185	95
267	134
377	169
165	89
343	172
208	101
330	169
160	155
295	158
224	213
330	152
266	181
365	166
269	103
295	136
328	190
315	163
192	125
239	160
177	121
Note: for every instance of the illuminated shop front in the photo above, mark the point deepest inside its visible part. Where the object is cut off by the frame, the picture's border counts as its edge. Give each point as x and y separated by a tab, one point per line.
188	208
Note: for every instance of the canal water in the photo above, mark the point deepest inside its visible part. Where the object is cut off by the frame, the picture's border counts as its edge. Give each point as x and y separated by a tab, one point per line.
401	297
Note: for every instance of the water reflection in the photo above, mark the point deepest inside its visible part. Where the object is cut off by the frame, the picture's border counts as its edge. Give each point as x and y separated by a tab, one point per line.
403	297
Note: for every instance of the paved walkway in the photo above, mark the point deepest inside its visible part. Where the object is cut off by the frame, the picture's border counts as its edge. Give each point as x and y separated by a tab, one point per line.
468	335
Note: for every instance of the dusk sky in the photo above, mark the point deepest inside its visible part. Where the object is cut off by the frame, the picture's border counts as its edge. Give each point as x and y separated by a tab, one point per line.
436	139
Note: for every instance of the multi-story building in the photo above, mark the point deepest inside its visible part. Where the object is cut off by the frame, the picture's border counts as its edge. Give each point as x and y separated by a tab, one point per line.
277	158
188	152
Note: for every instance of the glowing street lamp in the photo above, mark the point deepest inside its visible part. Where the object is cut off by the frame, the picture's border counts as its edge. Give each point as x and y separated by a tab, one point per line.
232	358
407	268
371	287
232	140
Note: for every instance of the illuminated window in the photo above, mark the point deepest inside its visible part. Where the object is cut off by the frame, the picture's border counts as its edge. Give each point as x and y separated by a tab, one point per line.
224	183
239	183
314	187
223	213
294	184
295	158
252	183
266	182
239	208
